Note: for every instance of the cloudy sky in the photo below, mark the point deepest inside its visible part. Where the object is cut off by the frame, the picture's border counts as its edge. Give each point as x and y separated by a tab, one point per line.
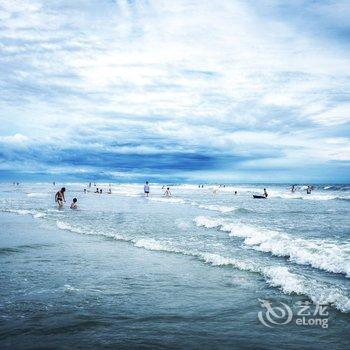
230	91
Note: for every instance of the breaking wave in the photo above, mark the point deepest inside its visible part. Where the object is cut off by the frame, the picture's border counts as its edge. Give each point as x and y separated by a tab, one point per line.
319	254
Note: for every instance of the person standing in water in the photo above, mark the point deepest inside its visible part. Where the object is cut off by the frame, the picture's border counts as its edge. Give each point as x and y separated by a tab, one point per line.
265	193
167	193
59	197
146	189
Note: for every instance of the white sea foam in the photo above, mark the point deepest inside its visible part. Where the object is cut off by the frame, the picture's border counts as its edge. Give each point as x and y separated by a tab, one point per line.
37	194
87	231
276	276
18	211
218	260
167	199
39	215
183	225
33	213
66	226
214	207
319	254
288	282
128	193
318	292
152	244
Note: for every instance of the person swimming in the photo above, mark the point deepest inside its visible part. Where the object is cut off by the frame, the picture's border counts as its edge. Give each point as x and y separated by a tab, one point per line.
85	190
167	193
97	190
109	191
235	192
293	188
74	204
146	189
308	190
265	193
59	197
101	191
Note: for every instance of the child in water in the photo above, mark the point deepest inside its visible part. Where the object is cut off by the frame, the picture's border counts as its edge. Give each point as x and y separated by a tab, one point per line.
74	204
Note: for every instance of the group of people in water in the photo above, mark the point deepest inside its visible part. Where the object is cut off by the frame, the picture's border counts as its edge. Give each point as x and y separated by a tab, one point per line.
60	198
60	195
309	189
146	190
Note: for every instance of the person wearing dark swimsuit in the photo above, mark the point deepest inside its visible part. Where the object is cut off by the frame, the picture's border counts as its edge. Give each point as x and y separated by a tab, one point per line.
59	197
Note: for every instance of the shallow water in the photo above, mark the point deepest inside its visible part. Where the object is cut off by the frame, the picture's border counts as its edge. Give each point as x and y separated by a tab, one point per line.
183	271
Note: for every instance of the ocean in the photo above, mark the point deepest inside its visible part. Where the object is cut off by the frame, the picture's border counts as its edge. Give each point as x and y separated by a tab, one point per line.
205	268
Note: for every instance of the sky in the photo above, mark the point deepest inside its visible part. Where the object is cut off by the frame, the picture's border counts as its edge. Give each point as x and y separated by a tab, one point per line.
192	91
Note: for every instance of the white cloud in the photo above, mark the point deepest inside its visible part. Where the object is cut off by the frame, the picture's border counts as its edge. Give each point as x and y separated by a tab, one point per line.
217	77
335	116
14	139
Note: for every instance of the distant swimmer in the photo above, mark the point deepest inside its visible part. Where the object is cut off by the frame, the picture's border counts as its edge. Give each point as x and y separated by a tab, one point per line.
74	204
309	189
265	193
109	191
293	189
146	189
97	190
101	191
85	190
59	197
167	193
235	192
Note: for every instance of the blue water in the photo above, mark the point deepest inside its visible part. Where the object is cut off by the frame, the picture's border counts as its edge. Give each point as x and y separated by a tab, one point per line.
188	271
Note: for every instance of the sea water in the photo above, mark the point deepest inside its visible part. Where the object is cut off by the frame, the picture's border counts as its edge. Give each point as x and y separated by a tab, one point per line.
195	269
